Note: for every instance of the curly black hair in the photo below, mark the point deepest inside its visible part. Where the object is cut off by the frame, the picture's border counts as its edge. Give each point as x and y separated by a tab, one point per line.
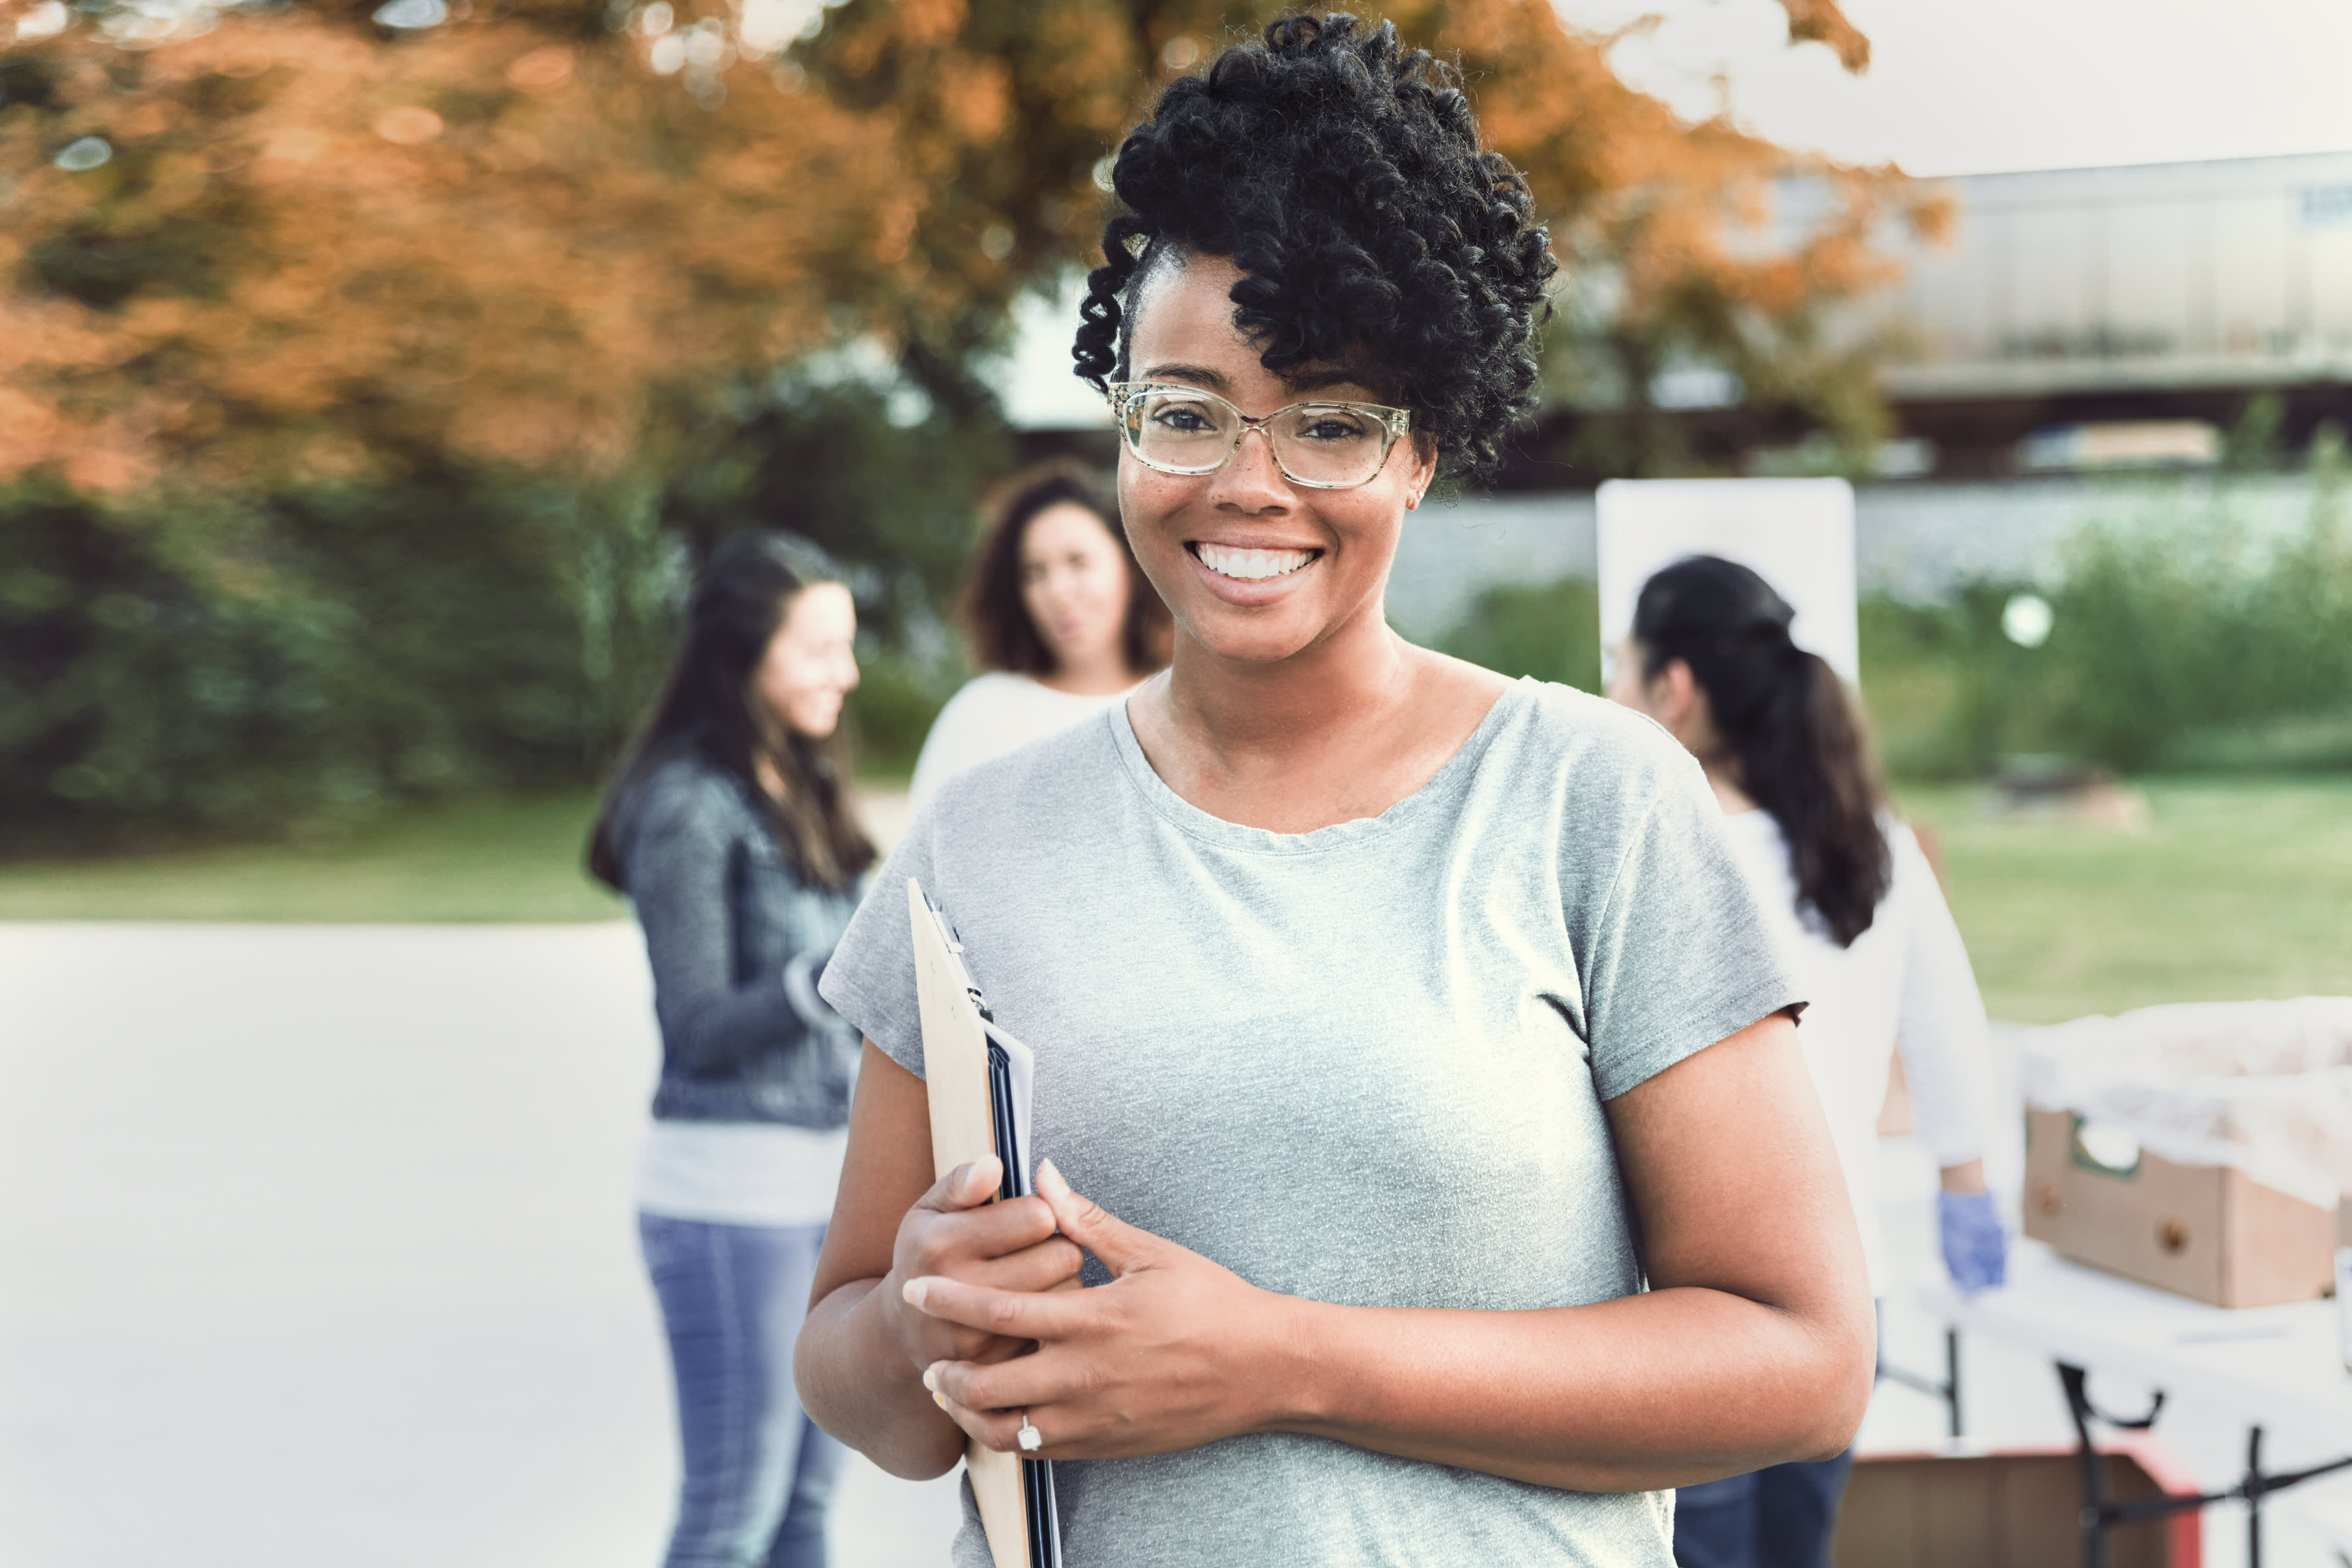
1340	172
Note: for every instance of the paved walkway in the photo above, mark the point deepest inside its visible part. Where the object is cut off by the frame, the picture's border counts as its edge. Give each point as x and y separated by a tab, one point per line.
319	1251
316	1249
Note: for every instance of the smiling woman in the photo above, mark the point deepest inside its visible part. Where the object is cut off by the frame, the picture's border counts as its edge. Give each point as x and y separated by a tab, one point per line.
1057	614
728	829
1453	1185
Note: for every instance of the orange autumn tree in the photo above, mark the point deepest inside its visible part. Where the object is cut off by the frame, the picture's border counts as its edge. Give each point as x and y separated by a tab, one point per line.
302	246
305	244
360	364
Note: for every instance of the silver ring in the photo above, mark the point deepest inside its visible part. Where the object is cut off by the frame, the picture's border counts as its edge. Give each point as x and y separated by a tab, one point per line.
1028	1437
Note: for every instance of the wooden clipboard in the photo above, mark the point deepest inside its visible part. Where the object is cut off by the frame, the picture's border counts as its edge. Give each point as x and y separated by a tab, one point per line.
1014	1494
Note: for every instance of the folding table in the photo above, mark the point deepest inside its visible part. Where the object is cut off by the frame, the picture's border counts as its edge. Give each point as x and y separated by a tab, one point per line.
2276	1369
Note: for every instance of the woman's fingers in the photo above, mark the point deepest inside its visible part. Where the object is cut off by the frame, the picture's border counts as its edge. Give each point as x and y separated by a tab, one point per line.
1004	1386
968	1186
1044	1267
1013	1314
989	1403
1122	1246
995	1429
954	1231
948	1242
1052	1265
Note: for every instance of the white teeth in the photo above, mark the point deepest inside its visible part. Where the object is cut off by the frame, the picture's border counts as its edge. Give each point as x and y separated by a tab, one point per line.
1251	565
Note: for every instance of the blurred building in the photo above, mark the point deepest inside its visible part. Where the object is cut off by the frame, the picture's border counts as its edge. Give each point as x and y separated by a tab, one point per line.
2076	320
2093	317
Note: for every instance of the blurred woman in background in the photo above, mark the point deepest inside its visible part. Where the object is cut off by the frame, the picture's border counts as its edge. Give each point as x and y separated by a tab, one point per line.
1059	616
1859	911
729	829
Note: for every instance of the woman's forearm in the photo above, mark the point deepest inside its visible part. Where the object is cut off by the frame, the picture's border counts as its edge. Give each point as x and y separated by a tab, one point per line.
1753	1347
1662	1389
711	1032
855	1383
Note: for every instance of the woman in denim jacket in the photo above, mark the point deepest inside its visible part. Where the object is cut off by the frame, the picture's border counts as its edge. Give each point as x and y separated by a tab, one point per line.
729	832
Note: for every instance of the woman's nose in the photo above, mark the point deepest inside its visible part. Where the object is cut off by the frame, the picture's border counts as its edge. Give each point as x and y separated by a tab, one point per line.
1250	478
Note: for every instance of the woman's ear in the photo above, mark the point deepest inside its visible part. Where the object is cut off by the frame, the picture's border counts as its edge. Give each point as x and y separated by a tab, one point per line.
1424	470
1677	701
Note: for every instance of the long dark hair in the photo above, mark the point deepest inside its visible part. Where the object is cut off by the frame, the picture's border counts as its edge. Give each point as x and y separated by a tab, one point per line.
996	620
1796	741
708	707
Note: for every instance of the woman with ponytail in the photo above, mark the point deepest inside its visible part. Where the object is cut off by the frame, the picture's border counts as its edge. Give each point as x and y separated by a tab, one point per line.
1858	908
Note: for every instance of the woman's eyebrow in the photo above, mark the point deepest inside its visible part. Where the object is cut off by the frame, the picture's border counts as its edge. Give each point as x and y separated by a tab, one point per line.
1200	375
1315	378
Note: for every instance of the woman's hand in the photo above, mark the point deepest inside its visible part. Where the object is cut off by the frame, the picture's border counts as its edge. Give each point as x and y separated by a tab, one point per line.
1176	1351
954	1232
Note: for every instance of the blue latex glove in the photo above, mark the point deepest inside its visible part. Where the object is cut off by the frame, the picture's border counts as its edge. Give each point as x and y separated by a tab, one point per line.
1976	1248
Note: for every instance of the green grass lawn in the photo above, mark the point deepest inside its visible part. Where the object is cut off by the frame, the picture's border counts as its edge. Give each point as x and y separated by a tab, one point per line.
2239	887
496	861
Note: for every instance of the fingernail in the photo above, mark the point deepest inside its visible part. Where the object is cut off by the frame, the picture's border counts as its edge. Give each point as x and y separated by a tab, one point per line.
914	1291
939	1399
1050	1180
931	1378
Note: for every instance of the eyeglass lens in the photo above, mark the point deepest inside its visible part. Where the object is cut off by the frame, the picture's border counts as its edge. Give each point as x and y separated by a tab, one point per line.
1318	443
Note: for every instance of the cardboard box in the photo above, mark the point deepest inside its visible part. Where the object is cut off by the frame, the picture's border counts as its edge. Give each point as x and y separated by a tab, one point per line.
2208	1232
2018	1508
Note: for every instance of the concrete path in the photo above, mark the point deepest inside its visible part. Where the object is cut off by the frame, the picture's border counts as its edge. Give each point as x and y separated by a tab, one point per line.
316	1249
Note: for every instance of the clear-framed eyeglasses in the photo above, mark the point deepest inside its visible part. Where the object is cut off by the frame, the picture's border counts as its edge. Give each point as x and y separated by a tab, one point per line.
1319	444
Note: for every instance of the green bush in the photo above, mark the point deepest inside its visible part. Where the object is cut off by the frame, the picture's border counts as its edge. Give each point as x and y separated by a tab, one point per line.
2174	645
1548	630
1945	692
892	709
178	669
175	669
2165	634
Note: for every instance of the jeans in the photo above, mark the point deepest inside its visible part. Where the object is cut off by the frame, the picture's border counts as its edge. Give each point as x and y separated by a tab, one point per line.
758	1472
1781	1517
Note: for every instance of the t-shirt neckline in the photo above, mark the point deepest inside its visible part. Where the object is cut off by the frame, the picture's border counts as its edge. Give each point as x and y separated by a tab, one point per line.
1444	785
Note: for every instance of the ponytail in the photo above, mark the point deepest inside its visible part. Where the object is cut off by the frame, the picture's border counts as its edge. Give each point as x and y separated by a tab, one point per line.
1794	735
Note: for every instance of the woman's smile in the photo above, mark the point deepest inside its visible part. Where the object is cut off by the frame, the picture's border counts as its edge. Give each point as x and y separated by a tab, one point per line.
1252	574
1250	565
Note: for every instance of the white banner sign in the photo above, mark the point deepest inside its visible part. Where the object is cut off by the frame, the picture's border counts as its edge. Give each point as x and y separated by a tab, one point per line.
1797	534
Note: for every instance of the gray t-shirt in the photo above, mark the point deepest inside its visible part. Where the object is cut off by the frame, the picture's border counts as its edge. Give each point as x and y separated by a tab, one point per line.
1363	1065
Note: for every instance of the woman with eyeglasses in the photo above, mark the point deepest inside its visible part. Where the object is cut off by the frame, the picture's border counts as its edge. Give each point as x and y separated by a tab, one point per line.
1451	1185
1058	616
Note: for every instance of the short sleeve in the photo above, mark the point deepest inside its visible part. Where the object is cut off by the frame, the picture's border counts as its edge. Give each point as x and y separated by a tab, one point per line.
1678	955
870	980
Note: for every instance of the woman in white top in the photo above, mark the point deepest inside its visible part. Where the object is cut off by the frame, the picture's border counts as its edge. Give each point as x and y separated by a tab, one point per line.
1857	909
1059	616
